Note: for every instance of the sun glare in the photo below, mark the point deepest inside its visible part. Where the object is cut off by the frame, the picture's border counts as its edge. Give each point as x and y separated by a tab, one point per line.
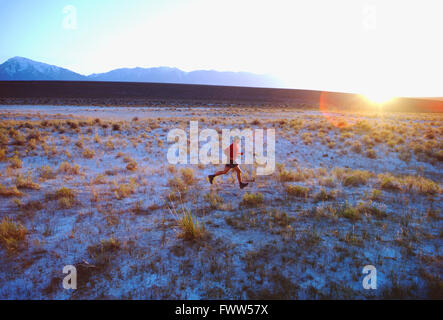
378	97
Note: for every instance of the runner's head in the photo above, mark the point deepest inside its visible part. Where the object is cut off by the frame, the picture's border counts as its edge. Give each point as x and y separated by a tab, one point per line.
236	139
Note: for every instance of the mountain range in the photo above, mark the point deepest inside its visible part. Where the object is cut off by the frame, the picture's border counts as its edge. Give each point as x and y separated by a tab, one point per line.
19	68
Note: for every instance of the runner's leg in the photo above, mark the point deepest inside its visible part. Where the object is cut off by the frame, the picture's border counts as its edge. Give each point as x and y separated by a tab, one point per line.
224	171
238	170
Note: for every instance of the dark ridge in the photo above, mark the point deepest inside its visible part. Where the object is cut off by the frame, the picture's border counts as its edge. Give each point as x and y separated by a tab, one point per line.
139	94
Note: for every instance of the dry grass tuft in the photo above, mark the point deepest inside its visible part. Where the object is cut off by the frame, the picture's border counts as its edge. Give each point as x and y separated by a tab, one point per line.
190	227
88	153
124	190
46	173
188	175
64	196
67	168
25	182
10	192
15	162
131	166
297	191
11	234
355	178
252	199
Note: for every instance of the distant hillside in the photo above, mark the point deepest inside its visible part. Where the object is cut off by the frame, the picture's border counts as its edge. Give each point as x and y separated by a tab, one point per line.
19	68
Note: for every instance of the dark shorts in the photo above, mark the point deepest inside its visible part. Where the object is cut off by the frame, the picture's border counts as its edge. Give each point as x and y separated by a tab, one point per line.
231	164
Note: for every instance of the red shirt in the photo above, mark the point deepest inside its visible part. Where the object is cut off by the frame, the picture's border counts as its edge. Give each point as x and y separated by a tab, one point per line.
233	151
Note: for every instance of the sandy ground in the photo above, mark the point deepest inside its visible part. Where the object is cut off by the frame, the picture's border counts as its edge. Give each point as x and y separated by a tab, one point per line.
91	187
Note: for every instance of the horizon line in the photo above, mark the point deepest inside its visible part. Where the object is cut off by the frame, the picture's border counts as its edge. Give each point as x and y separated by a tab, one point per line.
196	70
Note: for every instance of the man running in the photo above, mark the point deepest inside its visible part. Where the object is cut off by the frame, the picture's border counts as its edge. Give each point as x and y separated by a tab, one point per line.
232	153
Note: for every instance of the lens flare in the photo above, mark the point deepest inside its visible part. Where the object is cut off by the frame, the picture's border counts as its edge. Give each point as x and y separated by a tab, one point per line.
378	97
329	106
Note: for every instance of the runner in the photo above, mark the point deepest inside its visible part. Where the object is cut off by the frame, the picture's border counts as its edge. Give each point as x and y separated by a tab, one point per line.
232	153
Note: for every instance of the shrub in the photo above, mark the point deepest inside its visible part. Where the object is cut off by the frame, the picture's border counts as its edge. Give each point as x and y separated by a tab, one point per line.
298	191
291	176
172	196
65	203
356	147
324	195
67	168
252	199
103	252
371	209
356	177
109	145
307	138
438	155
433	214
64	196
349	212
79	143
388	182
327	182
33	205
177	184
15	162
10	192
370	153
116	127
23	182
88	153
190	228
363	126
97	138
404	154
375	194
125	190
32	144
213	199
111	172
46	172
64	193
188	175
3	139
126	159
346	135
367	140
421	185
11	234
171	169
339	172
72	124
19	140
132	166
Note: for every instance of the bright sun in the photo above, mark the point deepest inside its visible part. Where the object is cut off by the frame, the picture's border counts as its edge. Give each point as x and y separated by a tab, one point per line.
378	97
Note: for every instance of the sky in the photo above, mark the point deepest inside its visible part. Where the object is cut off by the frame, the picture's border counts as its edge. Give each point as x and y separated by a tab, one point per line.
379	48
